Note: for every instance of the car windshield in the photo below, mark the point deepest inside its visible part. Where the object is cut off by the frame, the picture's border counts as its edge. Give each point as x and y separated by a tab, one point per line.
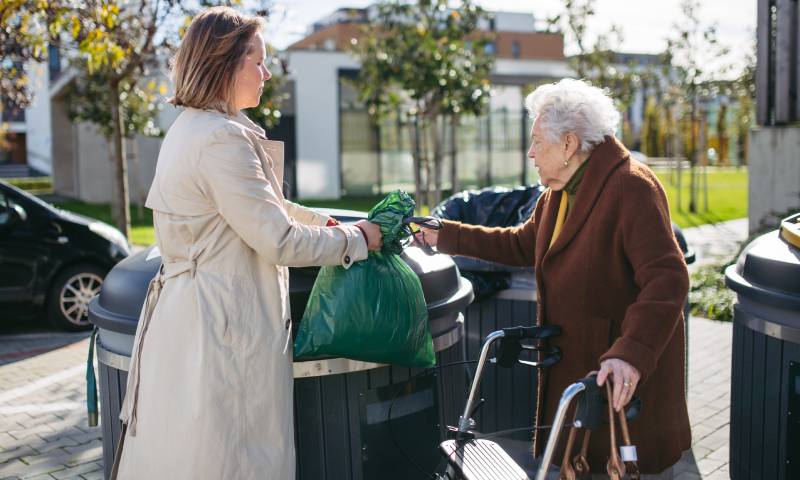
8	188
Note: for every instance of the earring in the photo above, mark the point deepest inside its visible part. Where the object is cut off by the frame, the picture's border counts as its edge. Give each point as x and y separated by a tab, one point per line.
566	162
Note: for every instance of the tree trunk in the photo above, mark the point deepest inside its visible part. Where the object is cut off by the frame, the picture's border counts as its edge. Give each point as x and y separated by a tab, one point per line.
669	141
436	195
416	156
132	150
693	159
376	136
743	146
677	141
426	161
722	135
703	150
453	154
120	203
489	147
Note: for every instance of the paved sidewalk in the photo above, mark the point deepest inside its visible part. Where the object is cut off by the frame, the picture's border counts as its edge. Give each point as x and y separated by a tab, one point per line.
44	434
709	400
43	428
717	242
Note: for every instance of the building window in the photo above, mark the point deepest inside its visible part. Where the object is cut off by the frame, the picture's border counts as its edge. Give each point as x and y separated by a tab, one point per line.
516	49
490	48
14	151
377	158
53	61
12	112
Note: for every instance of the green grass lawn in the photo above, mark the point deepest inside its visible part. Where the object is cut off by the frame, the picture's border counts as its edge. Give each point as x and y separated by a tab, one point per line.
727	200
727	197
141	227
362	204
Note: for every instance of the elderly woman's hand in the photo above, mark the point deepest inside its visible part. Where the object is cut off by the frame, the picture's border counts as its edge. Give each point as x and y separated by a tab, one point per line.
427	236
625	377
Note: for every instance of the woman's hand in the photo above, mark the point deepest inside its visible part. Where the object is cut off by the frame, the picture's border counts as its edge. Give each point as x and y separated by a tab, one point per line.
430	237
625	377
373	234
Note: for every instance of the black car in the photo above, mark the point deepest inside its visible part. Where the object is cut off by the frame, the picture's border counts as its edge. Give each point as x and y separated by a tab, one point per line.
54	258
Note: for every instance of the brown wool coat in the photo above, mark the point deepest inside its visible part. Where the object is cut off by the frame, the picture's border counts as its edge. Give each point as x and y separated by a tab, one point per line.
615	280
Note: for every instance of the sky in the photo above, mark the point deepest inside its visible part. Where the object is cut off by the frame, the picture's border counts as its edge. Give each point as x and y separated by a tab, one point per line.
645	23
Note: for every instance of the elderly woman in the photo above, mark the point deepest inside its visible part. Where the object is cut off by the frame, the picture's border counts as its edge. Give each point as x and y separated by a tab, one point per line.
608	271
210	385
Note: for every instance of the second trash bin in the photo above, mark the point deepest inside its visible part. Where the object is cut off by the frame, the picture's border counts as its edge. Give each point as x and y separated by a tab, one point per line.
765	382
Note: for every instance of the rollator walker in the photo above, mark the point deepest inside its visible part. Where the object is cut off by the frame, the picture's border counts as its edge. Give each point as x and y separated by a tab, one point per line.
470	457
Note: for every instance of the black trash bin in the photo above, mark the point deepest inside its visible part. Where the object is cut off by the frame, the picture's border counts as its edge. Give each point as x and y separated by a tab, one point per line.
765	377
342	428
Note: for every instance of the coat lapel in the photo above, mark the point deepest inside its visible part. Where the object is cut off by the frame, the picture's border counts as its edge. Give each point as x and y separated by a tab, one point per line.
605	158
271	152
274	150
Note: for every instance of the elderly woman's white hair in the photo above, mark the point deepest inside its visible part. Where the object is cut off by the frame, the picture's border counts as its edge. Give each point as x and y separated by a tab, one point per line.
573	106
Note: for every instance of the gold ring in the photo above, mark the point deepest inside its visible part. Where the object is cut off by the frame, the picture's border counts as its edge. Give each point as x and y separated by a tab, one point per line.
626	383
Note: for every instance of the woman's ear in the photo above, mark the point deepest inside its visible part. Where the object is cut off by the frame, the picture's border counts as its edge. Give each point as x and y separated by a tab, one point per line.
571	144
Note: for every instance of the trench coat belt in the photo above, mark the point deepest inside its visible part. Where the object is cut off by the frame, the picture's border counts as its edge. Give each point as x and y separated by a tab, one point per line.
167	271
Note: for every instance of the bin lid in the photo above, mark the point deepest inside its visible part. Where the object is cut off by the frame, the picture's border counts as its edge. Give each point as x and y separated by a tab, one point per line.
768	269
123	293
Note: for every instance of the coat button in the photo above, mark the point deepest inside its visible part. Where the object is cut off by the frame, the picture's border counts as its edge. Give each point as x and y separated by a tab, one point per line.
347	259
288	323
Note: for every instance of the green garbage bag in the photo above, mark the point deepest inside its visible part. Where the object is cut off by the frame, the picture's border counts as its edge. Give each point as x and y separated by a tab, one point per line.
374	311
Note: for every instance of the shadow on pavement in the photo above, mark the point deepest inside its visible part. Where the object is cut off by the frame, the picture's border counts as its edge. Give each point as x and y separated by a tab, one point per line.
25	334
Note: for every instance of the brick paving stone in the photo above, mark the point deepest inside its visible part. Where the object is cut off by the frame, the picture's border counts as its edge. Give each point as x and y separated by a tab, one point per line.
45	476
709	465
75	472
96	475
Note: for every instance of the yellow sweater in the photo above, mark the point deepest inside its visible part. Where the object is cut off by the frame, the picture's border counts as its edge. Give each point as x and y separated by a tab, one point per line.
567	199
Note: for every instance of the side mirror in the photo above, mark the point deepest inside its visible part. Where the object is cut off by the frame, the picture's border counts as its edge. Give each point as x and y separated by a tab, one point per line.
17	214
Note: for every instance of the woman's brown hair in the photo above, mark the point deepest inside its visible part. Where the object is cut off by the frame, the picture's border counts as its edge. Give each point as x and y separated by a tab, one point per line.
203	70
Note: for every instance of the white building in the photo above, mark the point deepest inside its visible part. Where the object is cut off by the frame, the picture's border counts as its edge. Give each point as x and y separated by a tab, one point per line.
325	130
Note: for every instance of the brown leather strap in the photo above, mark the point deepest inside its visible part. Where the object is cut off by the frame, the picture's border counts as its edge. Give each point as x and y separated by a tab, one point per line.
614	467
581	461
631	467
567	473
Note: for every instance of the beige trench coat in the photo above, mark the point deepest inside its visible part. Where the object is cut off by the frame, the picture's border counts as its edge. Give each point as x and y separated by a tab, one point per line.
210	385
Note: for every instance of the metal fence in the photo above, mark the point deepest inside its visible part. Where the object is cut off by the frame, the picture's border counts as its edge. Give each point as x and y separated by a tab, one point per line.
489	150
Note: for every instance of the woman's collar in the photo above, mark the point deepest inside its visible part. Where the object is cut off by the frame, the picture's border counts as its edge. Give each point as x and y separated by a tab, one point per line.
239	118
243	120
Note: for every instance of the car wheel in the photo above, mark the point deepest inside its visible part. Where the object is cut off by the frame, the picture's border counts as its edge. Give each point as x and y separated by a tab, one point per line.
70	294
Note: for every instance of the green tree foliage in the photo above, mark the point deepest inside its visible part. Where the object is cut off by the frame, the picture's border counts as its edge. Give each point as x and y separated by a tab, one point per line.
112	44
115	49
745	95
428	62
598	62
88	100
653	134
